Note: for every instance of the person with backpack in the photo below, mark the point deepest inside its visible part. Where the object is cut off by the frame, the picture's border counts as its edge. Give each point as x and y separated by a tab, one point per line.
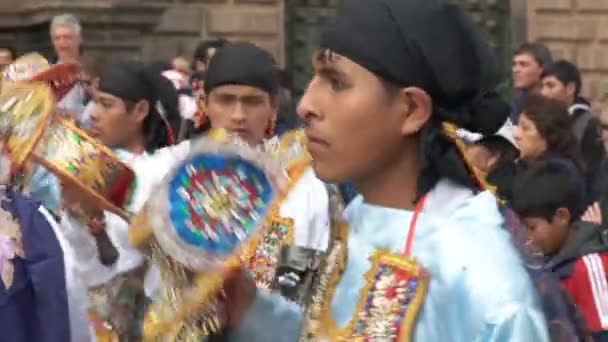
562	81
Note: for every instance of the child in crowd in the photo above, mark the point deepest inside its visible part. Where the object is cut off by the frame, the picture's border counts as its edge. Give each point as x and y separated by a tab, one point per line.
549	197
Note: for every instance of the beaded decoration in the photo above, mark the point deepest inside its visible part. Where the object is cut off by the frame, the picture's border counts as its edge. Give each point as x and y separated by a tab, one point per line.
318	319
217	201
394	293
264	262
75	157
25	112
204	220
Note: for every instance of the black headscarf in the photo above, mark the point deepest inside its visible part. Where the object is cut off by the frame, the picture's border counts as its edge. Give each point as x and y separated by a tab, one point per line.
134	81
432	45
243	64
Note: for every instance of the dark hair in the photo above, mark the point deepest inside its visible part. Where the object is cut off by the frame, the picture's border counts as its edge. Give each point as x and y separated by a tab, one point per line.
160	66
547	186
155	128
539	51
554	125
284	79
201	53
133	81
94	64
440	158
502	147
566	73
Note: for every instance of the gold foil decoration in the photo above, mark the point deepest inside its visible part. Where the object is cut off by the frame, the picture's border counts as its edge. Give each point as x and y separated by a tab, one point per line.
25	112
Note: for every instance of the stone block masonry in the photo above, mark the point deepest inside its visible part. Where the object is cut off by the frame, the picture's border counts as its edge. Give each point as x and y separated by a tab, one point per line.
146	29
576	30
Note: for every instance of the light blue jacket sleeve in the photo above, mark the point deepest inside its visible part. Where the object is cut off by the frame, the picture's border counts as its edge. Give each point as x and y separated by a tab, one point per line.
522	324
271	318
44	187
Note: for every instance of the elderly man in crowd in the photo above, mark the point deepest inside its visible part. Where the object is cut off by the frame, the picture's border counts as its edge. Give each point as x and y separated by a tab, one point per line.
66	36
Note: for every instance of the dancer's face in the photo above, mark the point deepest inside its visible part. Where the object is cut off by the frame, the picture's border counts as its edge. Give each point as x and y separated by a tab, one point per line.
356	124
116	123
242	110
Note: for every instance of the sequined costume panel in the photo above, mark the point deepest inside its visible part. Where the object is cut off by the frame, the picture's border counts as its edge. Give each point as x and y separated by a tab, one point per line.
301	219
478	290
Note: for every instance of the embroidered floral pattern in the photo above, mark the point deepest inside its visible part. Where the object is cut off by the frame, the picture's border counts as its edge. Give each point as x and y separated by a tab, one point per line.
10	246
391	300
386	304
264	262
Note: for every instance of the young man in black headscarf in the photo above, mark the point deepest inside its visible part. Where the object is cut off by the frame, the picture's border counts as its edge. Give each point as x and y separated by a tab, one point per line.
425	256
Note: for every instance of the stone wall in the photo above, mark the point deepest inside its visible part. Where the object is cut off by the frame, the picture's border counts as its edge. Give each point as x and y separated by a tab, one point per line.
259	21
146	29
576	30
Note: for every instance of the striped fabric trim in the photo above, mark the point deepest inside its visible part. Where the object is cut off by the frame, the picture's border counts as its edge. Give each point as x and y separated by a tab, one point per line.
599	286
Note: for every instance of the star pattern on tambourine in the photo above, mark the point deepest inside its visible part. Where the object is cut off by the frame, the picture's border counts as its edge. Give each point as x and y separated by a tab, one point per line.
218	202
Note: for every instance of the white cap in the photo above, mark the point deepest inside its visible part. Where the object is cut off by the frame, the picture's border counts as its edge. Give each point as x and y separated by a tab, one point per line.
506	132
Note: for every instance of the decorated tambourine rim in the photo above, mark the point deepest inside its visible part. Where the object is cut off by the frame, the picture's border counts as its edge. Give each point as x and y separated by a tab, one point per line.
34	67
79	159
212	204
25	68
291	149
26	110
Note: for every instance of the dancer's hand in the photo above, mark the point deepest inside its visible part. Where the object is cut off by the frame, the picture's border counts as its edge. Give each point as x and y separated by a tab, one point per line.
240	292
80	207
593	214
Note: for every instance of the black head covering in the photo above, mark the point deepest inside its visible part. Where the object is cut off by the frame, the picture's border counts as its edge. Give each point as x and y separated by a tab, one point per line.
244	64
430	44
134	81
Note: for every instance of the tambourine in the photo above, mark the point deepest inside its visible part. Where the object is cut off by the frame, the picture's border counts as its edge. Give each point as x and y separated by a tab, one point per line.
83	162
207	214
33	67
33	132
26	109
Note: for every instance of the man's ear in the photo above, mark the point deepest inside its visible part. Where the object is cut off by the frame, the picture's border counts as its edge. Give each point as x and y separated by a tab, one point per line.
571	89
141	110
562	217
416	105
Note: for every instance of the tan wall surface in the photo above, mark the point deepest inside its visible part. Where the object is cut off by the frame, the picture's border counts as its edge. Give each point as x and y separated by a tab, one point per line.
150	29
576	30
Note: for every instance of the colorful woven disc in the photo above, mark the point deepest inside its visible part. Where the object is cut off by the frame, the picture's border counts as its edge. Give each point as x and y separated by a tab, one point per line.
216	201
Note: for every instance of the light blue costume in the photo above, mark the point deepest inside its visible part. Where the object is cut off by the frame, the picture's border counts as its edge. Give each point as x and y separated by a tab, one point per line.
479	289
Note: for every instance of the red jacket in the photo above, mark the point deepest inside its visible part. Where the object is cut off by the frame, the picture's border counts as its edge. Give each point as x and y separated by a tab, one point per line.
582	266
588	286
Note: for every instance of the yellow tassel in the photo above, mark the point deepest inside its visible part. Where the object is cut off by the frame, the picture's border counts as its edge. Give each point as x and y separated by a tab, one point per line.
449	130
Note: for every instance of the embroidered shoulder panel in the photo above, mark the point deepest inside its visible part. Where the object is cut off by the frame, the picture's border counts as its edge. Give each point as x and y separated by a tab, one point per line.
265	260
388	304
